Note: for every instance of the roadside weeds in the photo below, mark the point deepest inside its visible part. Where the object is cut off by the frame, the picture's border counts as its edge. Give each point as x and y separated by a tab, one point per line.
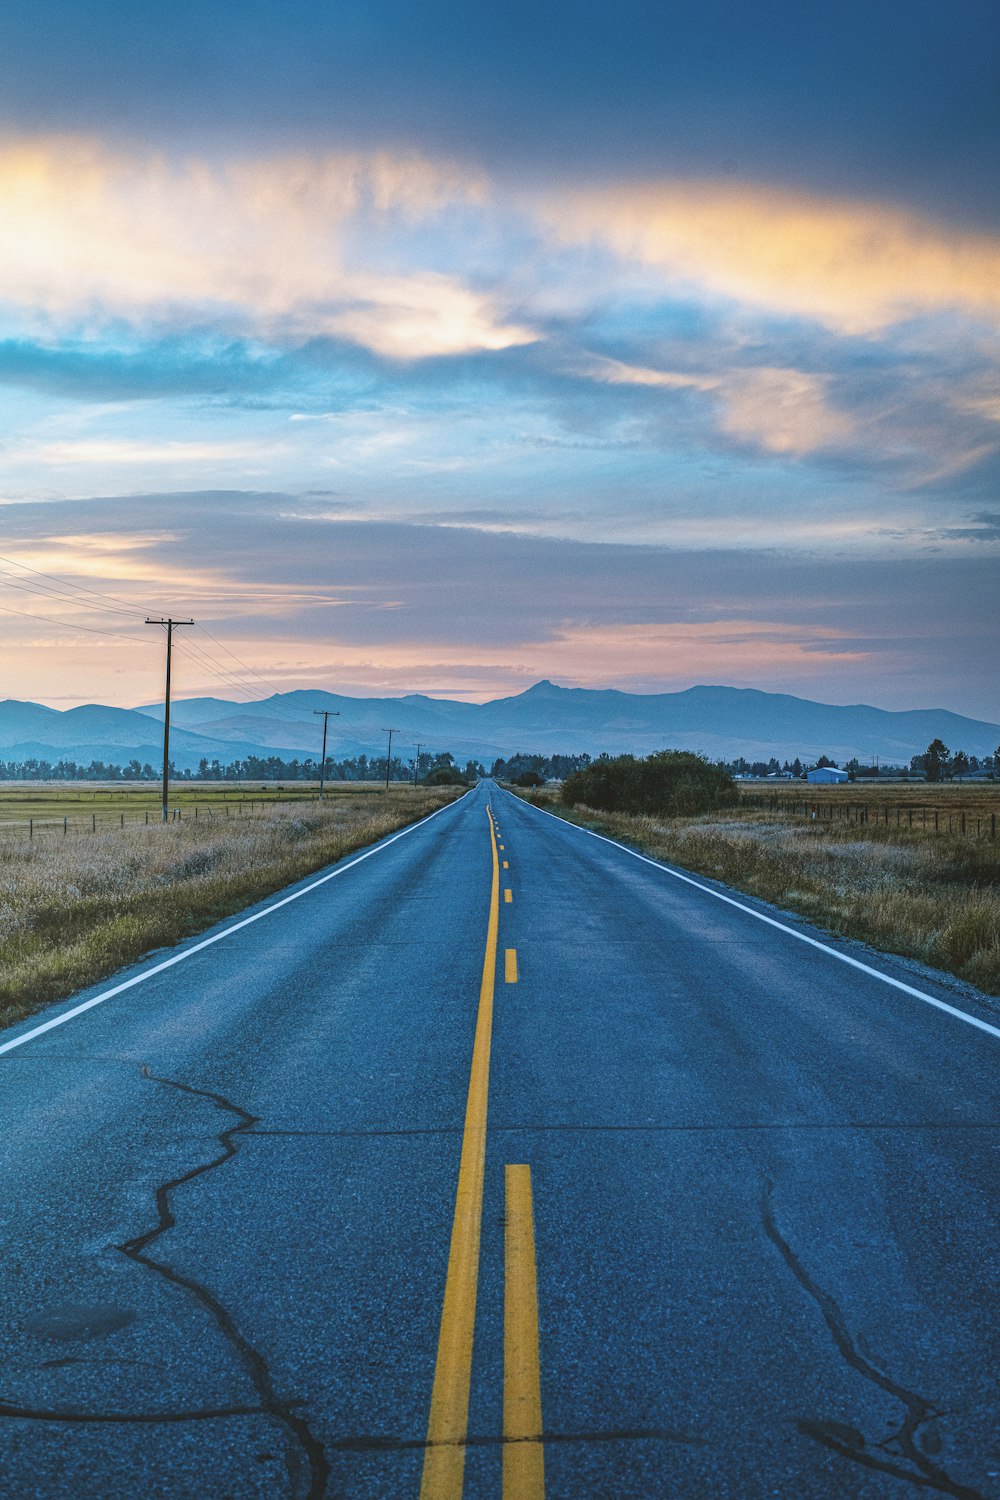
74	910
936	900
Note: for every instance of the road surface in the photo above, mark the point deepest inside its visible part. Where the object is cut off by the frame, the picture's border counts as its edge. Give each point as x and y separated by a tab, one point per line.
410	1186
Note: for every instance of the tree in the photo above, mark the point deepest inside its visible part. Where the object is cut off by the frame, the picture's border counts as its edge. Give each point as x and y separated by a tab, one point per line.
444	775
936	760
671	783
959	763
825	761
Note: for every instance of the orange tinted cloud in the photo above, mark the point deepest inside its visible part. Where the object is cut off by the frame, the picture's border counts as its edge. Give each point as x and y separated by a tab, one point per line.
257	244
854	266
779	410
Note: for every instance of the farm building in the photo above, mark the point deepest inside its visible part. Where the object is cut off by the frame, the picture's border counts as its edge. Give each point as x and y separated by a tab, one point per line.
828	774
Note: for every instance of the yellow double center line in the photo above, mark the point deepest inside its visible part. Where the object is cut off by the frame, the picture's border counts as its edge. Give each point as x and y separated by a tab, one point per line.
444	1456
447	1429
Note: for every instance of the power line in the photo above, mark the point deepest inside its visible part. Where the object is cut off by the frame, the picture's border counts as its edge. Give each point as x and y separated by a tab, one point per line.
27	587
69	624
252	670
208	663
68	583
67	592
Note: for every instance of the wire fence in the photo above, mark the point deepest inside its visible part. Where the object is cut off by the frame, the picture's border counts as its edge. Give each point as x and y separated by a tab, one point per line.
970	821
225	807
104	821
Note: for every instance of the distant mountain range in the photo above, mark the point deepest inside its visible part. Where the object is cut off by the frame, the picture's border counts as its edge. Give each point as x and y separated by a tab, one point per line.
720	722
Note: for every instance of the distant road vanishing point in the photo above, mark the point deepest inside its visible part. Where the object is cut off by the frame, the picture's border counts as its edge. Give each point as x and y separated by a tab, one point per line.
500	1161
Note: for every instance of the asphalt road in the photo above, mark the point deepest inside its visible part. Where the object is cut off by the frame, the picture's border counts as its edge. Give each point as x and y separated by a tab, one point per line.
259	1238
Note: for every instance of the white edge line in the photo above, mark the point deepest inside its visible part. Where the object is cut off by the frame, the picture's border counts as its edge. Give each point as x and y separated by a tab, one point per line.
844	958
217	937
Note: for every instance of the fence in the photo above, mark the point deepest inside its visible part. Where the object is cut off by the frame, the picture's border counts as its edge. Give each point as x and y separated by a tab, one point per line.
963	822
219	811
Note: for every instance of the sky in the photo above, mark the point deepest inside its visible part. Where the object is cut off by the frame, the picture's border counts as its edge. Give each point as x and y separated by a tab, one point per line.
445	347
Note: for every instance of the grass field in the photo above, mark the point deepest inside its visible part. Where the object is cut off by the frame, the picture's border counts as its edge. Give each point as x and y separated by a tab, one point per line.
73	909
82	804
969	808
931	897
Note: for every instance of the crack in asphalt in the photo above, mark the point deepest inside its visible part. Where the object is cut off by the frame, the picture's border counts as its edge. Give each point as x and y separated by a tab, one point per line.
363	1132
253	1361
42	1414
849	1444
365	1443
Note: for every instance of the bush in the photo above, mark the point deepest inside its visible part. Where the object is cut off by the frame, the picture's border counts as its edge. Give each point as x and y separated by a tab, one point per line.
443	776
530	778
671	784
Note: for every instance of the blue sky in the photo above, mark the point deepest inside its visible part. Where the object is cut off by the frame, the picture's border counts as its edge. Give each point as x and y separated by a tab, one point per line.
446	347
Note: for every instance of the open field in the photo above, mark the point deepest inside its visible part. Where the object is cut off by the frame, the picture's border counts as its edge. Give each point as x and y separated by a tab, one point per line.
82	805
74	909
936	899
969	808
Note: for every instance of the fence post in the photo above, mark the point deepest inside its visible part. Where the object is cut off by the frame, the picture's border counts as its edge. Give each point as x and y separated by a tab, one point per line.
31	828
65	821
123	822
963	822
993	825
93	822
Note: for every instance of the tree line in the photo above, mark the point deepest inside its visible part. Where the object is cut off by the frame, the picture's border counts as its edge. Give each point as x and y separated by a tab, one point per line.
250	768
937	763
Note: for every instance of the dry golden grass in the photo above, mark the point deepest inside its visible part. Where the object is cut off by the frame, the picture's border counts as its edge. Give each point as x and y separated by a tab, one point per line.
74	909
976	798
82	803
934	898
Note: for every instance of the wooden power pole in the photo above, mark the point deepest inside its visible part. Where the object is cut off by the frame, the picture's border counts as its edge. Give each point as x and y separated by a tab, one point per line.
326	714
170	624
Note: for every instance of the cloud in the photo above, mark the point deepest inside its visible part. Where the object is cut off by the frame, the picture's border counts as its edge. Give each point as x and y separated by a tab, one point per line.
617	372
779	410
429	607
854	266
984	527
420	316
116	452
784	411
256	246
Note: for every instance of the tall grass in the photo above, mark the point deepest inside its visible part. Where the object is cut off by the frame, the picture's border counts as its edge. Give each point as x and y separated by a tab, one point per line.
73	910
933	899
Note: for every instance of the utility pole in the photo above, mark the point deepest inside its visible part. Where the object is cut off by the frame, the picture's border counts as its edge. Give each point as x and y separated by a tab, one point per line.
416	766
170	624
388	755
326	714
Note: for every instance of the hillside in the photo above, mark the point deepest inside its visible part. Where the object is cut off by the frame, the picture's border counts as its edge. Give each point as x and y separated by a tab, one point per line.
720	722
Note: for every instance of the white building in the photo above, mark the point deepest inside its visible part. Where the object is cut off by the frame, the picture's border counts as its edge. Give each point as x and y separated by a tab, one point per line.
828	774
